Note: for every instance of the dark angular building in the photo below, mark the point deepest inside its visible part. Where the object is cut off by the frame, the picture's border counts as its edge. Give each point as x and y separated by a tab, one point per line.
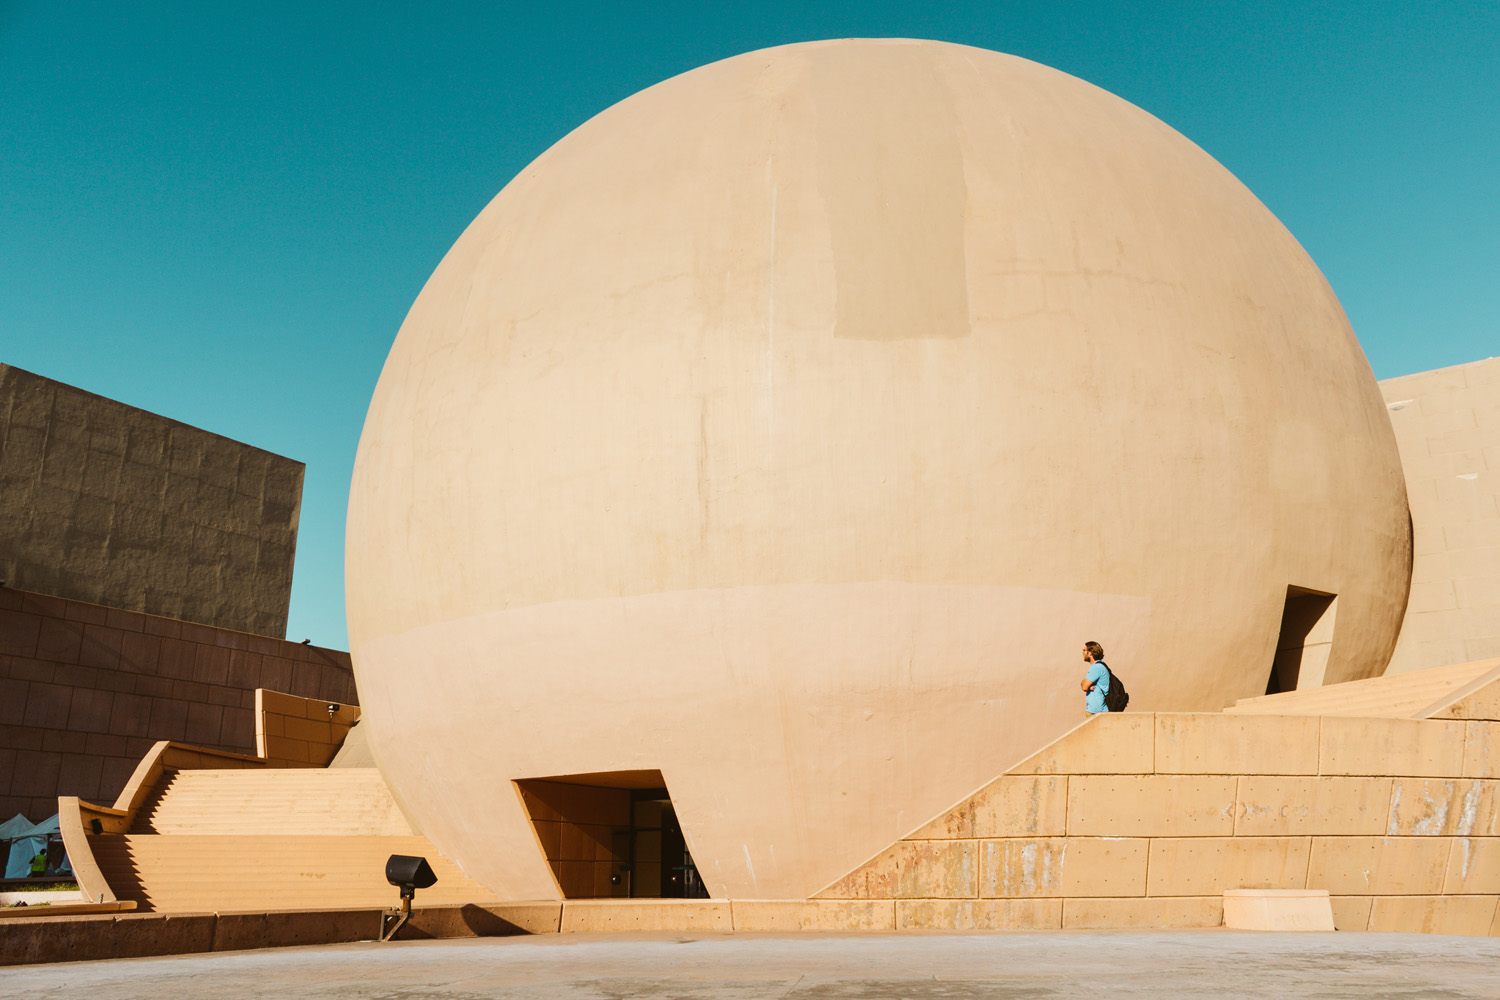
109	504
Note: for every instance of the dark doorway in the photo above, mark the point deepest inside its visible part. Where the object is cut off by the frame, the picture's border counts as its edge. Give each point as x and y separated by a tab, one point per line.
1304	642
611	834
661	861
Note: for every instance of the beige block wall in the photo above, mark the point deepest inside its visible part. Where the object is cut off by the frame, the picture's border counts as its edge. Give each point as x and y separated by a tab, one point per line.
1217	802
86	690
1447	425
291	731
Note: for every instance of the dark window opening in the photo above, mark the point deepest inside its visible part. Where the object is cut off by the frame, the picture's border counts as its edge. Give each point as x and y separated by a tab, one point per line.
611	834
1304	642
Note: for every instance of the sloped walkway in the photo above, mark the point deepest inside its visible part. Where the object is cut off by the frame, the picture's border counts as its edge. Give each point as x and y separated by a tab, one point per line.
1458	691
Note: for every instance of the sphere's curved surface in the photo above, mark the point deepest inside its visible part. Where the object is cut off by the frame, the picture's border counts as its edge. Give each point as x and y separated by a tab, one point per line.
789	426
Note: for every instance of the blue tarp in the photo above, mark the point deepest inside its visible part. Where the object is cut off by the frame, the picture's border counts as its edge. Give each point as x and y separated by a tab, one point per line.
26	843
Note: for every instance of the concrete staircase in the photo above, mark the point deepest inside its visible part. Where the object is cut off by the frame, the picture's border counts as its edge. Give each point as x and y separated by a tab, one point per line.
267	839
1458	691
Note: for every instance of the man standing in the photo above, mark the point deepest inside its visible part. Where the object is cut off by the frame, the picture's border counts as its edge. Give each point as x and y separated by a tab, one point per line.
1095	679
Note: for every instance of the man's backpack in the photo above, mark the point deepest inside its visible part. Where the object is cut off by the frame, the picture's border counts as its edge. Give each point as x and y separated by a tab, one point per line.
1116	698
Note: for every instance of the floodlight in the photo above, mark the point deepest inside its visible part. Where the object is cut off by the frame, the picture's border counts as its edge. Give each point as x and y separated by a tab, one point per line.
408	874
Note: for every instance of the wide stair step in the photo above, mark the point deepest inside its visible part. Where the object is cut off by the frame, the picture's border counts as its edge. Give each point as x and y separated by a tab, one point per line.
344	802
183	873
1399	696
270	838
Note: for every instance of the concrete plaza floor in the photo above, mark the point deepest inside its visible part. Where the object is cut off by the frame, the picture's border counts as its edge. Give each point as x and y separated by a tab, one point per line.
1095	965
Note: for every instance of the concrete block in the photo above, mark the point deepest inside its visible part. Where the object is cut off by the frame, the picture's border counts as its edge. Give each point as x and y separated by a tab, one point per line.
1421	748
1071	866
954	824
1276	805
1278	910
1440	807
141	935
1467	915
1473	866
1106	744
813	914
461	920
1373	866
979	914
1021	806
1143	912
56	939
585	916
1481	750
281	928
1236	744
1351	913
1171	805
912	869
1203	866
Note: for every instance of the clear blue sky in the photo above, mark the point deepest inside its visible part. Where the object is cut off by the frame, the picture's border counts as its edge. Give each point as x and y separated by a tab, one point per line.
222	211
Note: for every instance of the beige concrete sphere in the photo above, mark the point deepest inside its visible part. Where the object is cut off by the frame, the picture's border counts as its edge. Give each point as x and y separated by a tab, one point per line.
789	426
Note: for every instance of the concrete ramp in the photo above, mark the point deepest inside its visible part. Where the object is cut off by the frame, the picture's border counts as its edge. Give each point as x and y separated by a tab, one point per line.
1142	820
1457	691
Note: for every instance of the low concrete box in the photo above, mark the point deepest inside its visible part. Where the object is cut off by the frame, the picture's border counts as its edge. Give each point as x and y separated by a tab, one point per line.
1278	910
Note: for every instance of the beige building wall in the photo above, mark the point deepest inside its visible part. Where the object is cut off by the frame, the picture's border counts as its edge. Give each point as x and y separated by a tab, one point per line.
1447	425
109	504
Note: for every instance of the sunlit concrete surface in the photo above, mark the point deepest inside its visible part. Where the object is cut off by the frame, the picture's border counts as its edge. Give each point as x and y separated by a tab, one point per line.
1093	965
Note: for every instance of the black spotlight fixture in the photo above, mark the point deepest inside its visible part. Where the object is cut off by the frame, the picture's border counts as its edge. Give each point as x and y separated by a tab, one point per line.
408	874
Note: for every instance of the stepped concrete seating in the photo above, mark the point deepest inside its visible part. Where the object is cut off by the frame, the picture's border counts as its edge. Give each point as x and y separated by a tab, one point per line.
200	830
1142	820
270	838
1458	691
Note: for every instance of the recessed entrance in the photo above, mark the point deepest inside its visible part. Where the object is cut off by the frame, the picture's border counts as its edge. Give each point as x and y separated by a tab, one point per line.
1305	640
611	834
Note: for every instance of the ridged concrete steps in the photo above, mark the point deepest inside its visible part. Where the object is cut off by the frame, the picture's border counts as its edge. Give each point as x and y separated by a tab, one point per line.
225	873
284	801
1396	696
270	839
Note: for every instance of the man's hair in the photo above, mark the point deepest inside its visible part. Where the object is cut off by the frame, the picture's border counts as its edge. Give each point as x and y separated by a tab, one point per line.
1095	650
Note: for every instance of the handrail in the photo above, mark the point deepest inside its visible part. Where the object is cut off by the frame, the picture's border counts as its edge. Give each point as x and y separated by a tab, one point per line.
91	880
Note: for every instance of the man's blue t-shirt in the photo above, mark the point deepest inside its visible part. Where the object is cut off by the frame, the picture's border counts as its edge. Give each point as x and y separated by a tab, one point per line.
1098	675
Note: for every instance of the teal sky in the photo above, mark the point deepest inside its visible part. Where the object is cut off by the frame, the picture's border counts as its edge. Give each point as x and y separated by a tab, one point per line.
222	211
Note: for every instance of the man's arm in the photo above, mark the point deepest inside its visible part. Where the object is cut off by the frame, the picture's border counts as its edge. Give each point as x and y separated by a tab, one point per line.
1087	685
